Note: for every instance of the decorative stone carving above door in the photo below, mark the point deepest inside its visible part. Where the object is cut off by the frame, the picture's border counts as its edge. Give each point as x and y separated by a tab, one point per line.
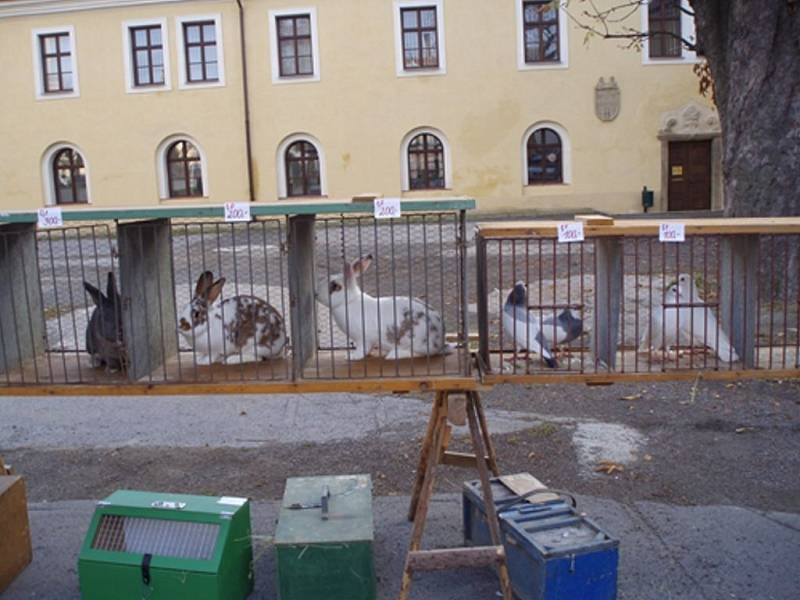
690	120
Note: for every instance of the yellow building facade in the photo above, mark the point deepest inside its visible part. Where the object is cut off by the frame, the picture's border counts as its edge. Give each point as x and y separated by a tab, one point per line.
148	102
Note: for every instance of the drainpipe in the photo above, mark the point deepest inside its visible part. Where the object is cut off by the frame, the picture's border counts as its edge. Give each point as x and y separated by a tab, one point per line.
246	93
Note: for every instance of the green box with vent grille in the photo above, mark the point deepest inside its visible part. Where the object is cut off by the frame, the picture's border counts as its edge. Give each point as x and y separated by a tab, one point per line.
167	547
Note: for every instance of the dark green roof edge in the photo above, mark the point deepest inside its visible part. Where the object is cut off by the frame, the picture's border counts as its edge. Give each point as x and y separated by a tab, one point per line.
256	210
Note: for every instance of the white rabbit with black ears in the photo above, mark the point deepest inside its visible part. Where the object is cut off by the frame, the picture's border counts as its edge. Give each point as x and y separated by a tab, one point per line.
396	326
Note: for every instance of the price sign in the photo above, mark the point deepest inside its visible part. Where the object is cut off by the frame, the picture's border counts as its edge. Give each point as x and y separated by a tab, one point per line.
49	217
237	211
387	208
570	232
672	232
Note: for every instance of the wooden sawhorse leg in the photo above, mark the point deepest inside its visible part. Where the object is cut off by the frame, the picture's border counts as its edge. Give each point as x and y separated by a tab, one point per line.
434	451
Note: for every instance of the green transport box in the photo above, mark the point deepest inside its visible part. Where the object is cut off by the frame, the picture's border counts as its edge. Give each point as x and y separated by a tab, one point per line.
167	547
324	539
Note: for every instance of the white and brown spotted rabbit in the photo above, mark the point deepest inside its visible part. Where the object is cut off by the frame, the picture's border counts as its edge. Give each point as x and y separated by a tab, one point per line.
237	329
395	327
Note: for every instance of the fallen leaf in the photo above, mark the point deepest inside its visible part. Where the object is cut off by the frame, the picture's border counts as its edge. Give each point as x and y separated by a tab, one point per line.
743	429
531	454
608	467
730	386
631	398
648	457
243	413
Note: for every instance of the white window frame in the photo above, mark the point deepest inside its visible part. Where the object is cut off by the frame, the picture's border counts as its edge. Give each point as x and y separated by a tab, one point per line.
183	82
563	42
283	186
687	33
130	86
161	167
47	174
566	154
273	44
448	163
398	38
37	63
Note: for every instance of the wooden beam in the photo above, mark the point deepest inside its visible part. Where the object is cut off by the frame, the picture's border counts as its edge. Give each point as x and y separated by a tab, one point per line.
455	558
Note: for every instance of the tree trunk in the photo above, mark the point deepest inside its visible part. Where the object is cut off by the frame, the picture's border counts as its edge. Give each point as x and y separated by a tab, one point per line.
753	51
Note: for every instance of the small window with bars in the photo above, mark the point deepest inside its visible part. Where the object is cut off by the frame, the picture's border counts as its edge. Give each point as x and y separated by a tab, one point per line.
419	28
426	163
56	50
664	28
295	46
147	55
159	537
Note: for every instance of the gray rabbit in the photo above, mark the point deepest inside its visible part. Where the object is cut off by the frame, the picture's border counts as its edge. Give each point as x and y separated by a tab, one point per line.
104	340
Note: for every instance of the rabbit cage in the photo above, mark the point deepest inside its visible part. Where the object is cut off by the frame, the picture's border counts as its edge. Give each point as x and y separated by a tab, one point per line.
622	303
314	291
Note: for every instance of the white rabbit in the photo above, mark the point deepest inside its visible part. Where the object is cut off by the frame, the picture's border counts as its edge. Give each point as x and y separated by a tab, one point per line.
397	327
244	328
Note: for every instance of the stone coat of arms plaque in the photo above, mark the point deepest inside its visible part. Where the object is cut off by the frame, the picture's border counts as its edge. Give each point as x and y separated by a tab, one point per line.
606	99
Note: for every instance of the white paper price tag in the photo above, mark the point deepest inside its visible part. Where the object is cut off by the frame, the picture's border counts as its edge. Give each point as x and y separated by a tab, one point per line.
672	232
237	211
50	217
387	208
570	232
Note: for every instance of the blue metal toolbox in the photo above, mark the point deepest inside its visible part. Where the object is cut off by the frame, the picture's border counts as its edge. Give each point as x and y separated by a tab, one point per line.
476	529
552	552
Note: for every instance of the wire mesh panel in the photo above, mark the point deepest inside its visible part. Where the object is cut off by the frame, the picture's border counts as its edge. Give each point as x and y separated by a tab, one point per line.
159	537
621	302
390	297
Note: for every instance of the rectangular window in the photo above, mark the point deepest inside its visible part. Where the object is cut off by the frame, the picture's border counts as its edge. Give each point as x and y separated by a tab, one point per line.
55	51
147	55
420	37
540	31
295	47
200	51
664	28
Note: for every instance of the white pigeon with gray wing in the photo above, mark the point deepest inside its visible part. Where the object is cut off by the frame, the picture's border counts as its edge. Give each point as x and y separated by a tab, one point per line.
524	329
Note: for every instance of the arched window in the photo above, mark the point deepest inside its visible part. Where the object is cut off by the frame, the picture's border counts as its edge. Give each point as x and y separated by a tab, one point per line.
69	177
426	163
184	170
302	169
545	157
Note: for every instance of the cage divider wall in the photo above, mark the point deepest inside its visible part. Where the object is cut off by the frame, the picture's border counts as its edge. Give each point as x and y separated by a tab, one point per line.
148	308
608	299
21	317
301	241
740	258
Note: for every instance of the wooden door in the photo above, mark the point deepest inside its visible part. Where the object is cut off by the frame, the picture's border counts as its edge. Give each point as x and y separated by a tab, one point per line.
689	175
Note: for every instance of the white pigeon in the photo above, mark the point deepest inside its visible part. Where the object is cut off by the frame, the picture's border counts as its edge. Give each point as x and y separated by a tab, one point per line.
524	329
689	325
